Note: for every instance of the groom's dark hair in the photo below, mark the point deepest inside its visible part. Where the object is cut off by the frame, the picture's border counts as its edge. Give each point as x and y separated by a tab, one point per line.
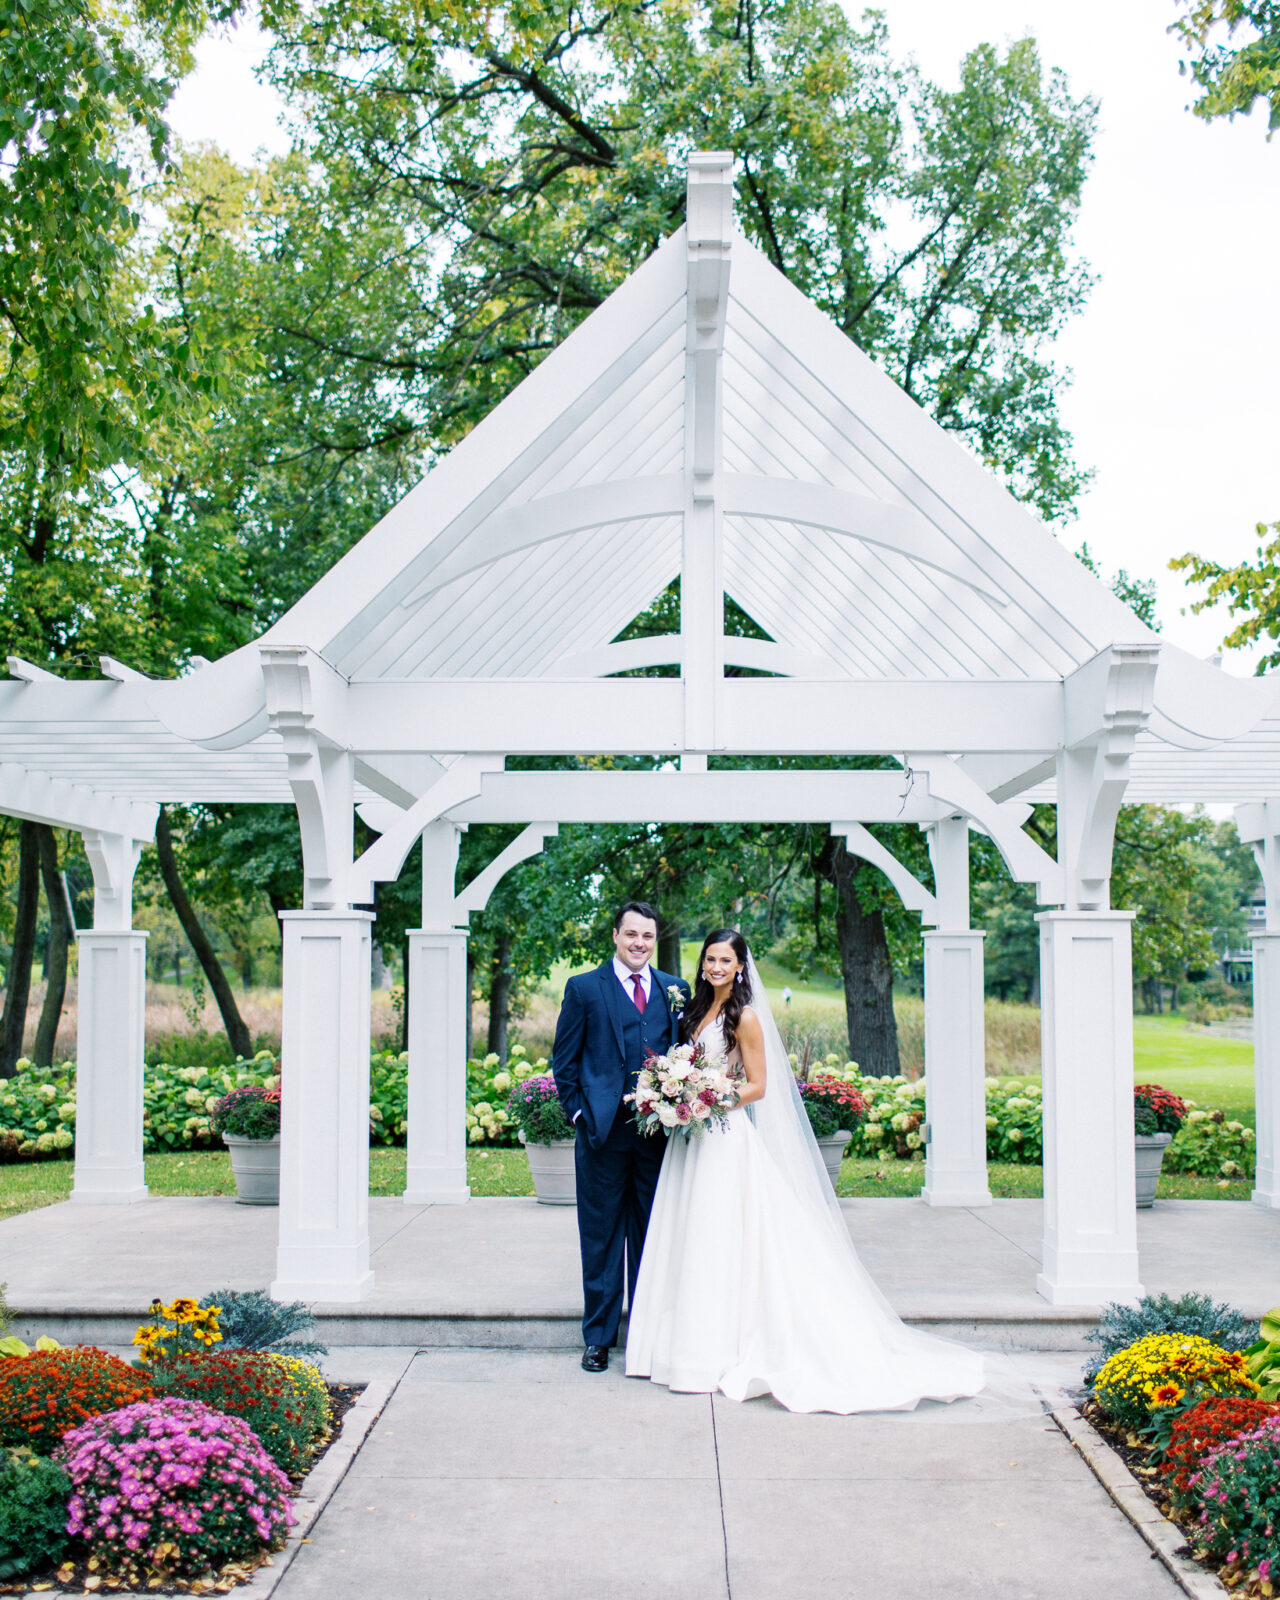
641	908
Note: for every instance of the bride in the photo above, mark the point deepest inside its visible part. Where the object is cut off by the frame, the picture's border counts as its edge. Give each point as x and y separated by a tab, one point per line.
749	1283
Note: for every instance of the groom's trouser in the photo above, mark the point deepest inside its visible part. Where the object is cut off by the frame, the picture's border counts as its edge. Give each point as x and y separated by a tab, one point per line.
615	1195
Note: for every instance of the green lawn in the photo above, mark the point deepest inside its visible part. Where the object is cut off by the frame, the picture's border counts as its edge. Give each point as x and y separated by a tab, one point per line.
25	1186
1189	1061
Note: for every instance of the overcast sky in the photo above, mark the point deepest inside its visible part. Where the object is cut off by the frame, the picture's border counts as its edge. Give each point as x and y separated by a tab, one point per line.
1177	357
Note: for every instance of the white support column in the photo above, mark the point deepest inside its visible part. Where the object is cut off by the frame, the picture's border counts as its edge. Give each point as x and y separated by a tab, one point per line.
323	1250
437	1111
436	983
111	986
955	1041
1266	1066
1090	1219
1259	825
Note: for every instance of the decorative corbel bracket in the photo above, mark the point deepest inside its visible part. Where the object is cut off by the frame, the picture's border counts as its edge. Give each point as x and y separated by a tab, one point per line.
1108	703
1259	825
113	859
304	707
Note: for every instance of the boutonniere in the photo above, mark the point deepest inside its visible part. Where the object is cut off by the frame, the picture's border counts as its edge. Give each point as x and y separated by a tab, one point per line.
675	998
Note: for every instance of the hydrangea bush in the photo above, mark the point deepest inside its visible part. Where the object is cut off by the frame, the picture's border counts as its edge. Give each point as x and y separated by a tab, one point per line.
1160	1369
50	1391
173	1485
1213	1145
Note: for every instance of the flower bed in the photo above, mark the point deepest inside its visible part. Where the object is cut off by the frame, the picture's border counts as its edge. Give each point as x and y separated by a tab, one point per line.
1188	1418
160	1475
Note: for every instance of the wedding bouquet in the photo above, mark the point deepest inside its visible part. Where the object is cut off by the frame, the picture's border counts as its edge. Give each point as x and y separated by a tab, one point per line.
683	1092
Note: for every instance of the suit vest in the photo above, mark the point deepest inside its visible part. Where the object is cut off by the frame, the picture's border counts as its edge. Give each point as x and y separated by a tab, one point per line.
640	1034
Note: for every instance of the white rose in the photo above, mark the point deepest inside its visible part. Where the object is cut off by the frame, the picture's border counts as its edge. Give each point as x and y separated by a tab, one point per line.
667	1116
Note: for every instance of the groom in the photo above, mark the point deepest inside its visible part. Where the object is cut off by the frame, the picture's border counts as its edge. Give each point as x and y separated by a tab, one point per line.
609	1022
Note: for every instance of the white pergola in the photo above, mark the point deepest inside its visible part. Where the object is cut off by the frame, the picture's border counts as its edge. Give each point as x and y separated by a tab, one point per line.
708	422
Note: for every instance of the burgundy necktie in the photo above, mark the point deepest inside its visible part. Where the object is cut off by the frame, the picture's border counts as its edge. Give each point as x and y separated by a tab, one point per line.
639	995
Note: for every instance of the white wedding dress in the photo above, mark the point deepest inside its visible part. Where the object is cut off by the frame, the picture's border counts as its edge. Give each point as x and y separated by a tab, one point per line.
749	1284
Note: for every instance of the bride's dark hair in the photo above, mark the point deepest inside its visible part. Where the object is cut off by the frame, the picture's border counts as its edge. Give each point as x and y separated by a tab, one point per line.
704	996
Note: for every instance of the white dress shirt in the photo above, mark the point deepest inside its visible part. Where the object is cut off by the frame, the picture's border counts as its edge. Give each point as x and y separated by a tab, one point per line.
625	975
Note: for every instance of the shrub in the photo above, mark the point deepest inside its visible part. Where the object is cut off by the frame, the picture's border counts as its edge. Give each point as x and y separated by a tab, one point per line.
1213	1145
46	1393
250	1112
535	1109
33	1512
1206	1425
1160	1369
250	1319
246	1384
311	1390
1238	1489
489	1086
833	1105
1168	1109
1120	1326
173	1485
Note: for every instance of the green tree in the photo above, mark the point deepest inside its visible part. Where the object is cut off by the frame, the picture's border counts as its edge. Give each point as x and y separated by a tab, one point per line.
1251	590
1234	56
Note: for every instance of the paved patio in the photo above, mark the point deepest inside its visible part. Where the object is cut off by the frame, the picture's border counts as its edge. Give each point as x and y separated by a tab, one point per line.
505	1272
513	1472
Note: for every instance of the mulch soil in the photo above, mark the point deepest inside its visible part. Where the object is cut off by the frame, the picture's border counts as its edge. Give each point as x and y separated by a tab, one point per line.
89	1575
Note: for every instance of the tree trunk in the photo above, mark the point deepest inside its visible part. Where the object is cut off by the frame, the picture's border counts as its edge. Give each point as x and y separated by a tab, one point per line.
866	969
669	948
405	995
500	997
13	1022
471	992
232	1021
55	972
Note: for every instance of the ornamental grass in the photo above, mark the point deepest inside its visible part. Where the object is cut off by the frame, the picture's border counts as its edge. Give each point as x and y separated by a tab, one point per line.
1162	1368
50	1391
1238	1488
246	1384
1199	1431
172	1487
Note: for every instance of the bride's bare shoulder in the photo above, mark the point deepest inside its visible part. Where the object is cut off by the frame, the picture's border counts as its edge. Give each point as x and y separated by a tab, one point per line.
749	1023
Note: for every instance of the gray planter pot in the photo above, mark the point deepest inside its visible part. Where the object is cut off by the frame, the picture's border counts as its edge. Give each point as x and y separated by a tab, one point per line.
256	1164
832	1148
551	1165
1149	1149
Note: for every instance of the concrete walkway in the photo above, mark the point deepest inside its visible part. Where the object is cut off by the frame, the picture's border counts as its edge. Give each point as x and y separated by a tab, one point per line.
513	1473
505	1272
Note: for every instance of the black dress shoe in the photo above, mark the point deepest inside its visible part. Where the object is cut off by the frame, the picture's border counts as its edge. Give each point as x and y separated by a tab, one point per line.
595	1358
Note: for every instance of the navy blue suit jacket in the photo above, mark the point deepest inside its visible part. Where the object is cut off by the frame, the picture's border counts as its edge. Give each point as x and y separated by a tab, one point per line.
588	1058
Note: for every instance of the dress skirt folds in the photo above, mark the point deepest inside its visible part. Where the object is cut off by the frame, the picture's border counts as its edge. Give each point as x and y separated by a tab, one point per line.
743	1290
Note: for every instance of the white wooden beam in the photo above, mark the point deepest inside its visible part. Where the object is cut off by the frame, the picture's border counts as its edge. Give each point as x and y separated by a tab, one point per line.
709	231
696	796
28	672
761	716
38	797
